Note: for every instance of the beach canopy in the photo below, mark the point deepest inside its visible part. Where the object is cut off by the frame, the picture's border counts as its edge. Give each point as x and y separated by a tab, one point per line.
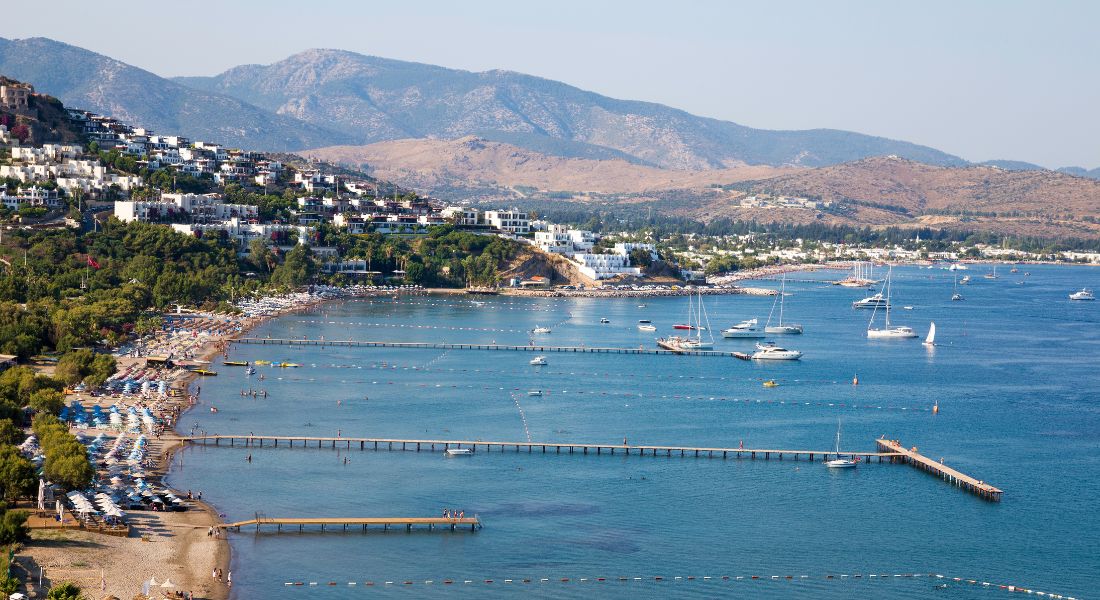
168	584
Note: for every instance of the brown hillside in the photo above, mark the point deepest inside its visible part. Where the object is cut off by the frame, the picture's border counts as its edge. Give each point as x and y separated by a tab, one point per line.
476	163
925	189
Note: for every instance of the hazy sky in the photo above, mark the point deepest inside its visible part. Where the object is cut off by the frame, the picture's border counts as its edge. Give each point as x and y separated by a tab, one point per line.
983	80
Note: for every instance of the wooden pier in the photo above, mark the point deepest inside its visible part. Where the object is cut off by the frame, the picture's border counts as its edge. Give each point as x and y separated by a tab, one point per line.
412	445
915	459
889	451
344	523
455	346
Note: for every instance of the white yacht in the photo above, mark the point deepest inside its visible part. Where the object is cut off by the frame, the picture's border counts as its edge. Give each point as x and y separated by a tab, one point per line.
965	280
876	301
745	329
888	332
773	352
838	462
781	328
1084	294
646	327
540	329
539	361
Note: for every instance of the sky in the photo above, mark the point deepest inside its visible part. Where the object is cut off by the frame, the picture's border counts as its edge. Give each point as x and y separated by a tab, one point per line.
979	79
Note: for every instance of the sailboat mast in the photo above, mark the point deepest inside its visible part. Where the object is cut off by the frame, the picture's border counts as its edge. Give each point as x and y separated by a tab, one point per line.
782	293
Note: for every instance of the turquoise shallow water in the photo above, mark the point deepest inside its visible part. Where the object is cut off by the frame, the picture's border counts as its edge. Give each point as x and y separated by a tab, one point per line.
1015	376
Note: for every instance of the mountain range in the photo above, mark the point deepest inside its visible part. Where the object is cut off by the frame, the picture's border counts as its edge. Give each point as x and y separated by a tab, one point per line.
327	97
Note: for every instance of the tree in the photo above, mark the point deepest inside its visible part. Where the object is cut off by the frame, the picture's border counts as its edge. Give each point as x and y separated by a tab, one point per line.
17	474
47	401
297	268
64	591
10	434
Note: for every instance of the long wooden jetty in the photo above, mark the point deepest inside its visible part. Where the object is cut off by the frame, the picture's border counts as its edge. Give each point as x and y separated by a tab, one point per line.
427	445
915	459
458	346
889	451
364	522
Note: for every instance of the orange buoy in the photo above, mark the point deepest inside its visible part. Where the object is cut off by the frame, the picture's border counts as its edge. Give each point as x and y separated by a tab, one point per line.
936	408
855	380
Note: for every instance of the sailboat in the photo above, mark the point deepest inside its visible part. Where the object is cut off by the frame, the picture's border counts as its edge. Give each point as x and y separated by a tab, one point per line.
696	320
887	332
955	295
781	328
840	463
992	275
931	339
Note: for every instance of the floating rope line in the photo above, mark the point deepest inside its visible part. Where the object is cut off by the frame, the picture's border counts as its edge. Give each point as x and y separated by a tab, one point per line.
522	416
939	580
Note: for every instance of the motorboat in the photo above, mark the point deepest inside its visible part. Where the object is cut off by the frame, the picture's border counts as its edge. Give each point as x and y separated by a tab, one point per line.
235	363
455	452
781	328
965	280
773	352
888	332
605	320
838	462
534	393
745	329
644	327
539	361
876	301
771	383
1084	294
540	329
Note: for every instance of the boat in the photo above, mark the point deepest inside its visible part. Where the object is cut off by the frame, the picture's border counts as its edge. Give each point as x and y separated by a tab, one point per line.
534	393
261	362
644	327
641	306
888	332
860	277
957	267
540	329
789	328
287	365
749	329
235	363
250	370
875	301
1013	270
770	351
204	372
840	463
771	383
1084	294
539	361
931	339
955	295
605	320
454	452
644	321
697	314
965	280
992	275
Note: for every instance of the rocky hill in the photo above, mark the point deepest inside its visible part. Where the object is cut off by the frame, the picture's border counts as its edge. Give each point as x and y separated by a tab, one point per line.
477	164
379	99
90	81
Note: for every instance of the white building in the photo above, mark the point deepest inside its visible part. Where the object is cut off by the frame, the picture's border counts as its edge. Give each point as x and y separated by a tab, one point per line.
32	196
604	266
512	221
243	232
625	248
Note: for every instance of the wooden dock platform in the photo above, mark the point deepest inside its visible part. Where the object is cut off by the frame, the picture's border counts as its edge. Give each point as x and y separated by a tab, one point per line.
427	445
364	522
915	459
542	349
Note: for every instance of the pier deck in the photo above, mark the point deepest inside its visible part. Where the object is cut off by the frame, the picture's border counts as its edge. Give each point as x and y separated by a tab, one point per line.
427	445
915	459
457	346
889	451
364	522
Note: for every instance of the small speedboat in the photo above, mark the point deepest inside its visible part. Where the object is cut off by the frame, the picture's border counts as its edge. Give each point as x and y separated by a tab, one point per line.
773	352
644	327
539	361
540	329
534	393
956	297
605	320
454	452
1084	294
771	383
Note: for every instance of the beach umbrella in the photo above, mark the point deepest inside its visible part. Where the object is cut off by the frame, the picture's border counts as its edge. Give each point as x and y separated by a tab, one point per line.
168	584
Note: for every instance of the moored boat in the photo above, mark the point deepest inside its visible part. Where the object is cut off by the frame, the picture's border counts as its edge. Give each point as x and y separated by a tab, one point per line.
772	352
1084	294
749	329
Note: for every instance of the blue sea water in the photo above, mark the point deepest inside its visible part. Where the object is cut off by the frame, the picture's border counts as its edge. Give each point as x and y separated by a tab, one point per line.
1015	375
